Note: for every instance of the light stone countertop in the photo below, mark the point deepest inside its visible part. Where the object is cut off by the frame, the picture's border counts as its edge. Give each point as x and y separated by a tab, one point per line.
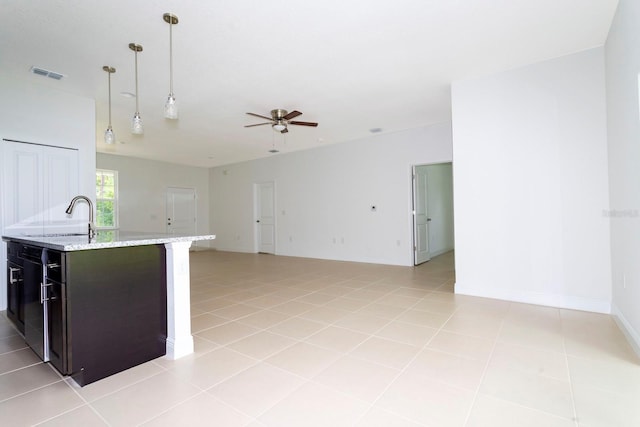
105	239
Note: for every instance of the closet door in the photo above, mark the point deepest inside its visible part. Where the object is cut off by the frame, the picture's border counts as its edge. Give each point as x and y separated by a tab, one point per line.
37	184
22	185
61	184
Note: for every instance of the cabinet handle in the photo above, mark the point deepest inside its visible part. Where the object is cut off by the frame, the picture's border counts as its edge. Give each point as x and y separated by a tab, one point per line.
43	292
53	265
13	280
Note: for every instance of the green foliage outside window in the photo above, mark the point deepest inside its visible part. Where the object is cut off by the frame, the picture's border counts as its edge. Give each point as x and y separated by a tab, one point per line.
106	198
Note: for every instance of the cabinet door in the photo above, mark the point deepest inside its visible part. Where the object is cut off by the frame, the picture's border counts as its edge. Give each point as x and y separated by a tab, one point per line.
15	297
56	308
33	309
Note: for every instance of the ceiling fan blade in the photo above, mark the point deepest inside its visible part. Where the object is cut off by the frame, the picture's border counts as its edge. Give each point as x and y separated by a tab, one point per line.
259	124
292	114
303	123
258	115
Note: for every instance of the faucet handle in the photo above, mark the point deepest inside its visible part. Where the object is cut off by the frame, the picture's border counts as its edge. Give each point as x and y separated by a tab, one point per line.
92	231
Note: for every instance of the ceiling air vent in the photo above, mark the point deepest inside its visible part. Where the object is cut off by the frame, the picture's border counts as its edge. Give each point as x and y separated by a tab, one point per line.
46	73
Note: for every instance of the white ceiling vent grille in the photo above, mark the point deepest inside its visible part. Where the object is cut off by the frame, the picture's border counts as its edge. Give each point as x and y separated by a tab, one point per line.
46	73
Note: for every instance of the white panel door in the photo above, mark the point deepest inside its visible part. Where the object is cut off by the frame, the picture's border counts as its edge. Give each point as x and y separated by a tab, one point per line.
61	184
38	183
266	221
181	211
22	185
420	216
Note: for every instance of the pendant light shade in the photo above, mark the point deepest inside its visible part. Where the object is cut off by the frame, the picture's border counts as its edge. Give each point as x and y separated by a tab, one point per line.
136	122
109	136
170	107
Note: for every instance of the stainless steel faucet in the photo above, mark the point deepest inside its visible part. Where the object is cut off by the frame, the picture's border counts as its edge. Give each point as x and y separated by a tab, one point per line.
92	227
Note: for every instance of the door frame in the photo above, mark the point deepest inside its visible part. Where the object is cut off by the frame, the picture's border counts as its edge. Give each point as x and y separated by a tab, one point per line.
256	216
414	230
195	206
411	204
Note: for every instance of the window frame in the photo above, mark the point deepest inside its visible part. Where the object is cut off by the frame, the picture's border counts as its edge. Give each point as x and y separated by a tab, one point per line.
116	210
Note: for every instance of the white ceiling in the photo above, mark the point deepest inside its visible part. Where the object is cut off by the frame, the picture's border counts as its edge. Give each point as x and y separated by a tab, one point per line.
349	65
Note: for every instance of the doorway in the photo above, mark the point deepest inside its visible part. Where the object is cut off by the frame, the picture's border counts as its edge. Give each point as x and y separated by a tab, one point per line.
432	210
181	211
264	207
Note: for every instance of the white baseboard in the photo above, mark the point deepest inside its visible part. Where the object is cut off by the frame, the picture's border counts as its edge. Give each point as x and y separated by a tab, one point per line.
632	335
440	252
551	300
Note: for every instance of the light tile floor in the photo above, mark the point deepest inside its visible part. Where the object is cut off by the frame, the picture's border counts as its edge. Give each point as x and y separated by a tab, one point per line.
300	342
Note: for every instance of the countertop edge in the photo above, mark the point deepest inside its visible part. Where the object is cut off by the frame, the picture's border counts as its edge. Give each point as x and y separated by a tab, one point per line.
76	245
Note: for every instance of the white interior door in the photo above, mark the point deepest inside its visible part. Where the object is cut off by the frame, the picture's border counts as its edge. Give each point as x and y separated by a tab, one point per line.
23	187
420	216
38	183
181	211
266	219
61	183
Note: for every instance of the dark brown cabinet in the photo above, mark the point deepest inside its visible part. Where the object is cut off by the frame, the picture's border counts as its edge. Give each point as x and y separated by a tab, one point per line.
91	313
15	293
116	309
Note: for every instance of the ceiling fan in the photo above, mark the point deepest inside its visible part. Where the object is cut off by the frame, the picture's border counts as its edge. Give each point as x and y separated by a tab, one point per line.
280	119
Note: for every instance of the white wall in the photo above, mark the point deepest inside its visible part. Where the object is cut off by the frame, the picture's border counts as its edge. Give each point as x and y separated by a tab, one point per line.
38	113
142	190
324	197
623	66
531	183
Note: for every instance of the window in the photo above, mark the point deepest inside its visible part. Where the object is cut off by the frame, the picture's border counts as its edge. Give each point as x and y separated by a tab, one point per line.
106	198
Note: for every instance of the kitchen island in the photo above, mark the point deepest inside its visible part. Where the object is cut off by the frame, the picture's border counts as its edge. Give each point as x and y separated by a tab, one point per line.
94	307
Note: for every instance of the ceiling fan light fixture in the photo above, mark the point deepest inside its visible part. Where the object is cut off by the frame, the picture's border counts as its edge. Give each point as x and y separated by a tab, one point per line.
279	127
170	107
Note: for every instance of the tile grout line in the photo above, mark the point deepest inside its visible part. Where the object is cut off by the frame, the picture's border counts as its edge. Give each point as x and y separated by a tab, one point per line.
403	370
484	371
297	341
566	361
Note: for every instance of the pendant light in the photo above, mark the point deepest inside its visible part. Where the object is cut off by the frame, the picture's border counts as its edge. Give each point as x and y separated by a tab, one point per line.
109	136
170	107
136	122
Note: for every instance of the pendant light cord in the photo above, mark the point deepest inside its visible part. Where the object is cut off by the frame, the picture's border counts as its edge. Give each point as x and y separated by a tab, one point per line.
137	109
109	72
171	57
